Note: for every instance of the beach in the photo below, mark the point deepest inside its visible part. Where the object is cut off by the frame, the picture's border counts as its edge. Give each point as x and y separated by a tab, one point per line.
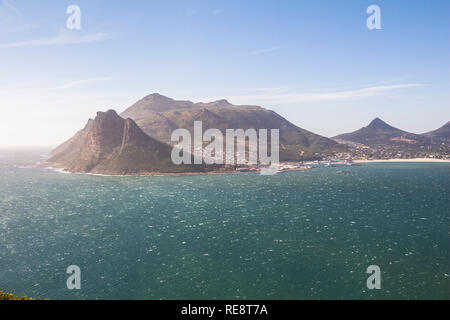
402	160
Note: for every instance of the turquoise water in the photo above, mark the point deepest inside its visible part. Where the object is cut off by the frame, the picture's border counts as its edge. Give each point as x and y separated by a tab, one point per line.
296	235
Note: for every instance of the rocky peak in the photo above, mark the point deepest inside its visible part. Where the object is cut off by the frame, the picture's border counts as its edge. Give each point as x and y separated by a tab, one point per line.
133	135
156	97
107	131
379	124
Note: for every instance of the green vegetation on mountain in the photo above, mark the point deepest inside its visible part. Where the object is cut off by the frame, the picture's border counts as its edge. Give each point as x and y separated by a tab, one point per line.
9	296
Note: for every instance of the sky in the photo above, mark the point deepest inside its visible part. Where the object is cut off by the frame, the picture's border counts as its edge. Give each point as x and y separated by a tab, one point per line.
316	63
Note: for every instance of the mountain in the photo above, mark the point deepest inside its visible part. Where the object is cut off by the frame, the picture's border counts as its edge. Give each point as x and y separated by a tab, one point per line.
138	141
158	116
110	144
380	140
443	133
379	132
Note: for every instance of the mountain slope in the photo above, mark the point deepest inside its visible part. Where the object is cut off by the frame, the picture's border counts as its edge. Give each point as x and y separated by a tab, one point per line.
110	144
158	116
379	132
381	141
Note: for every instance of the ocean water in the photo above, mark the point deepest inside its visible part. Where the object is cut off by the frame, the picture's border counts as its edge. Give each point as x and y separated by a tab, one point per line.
296	235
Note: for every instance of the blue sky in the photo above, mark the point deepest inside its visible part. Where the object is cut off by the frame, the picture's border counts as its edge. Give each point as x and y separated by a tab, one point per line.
314	62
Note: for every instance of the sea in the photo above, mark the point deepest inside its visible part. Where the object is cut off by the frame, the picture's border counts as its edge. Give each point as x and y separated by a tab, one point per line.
295	235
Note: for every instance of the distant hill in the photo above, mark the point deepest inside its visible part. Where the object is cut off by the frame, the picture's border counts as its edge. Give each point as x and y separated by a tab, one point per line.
379	132
110	144
158	116
380	140
443	133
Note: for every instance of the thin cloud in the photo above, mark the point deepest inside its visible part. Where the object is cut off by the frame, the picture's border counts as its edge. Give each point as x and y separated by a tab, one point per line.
11	19
79	83
271	97
63	39
5	4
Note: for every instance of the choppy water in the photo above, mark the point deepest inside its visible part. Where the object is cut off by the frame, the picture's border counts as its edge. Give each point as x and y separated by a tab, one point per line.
297	235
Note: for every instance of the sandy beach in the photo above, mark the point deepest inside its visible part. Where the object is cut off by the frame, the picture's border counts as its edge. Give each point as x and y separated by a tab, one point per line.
403	160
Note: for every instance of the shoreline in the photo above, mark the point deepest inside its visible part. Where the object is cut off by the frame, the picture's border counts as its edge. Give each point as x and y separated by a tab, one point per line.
143	174
181	174
161	174
403	160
